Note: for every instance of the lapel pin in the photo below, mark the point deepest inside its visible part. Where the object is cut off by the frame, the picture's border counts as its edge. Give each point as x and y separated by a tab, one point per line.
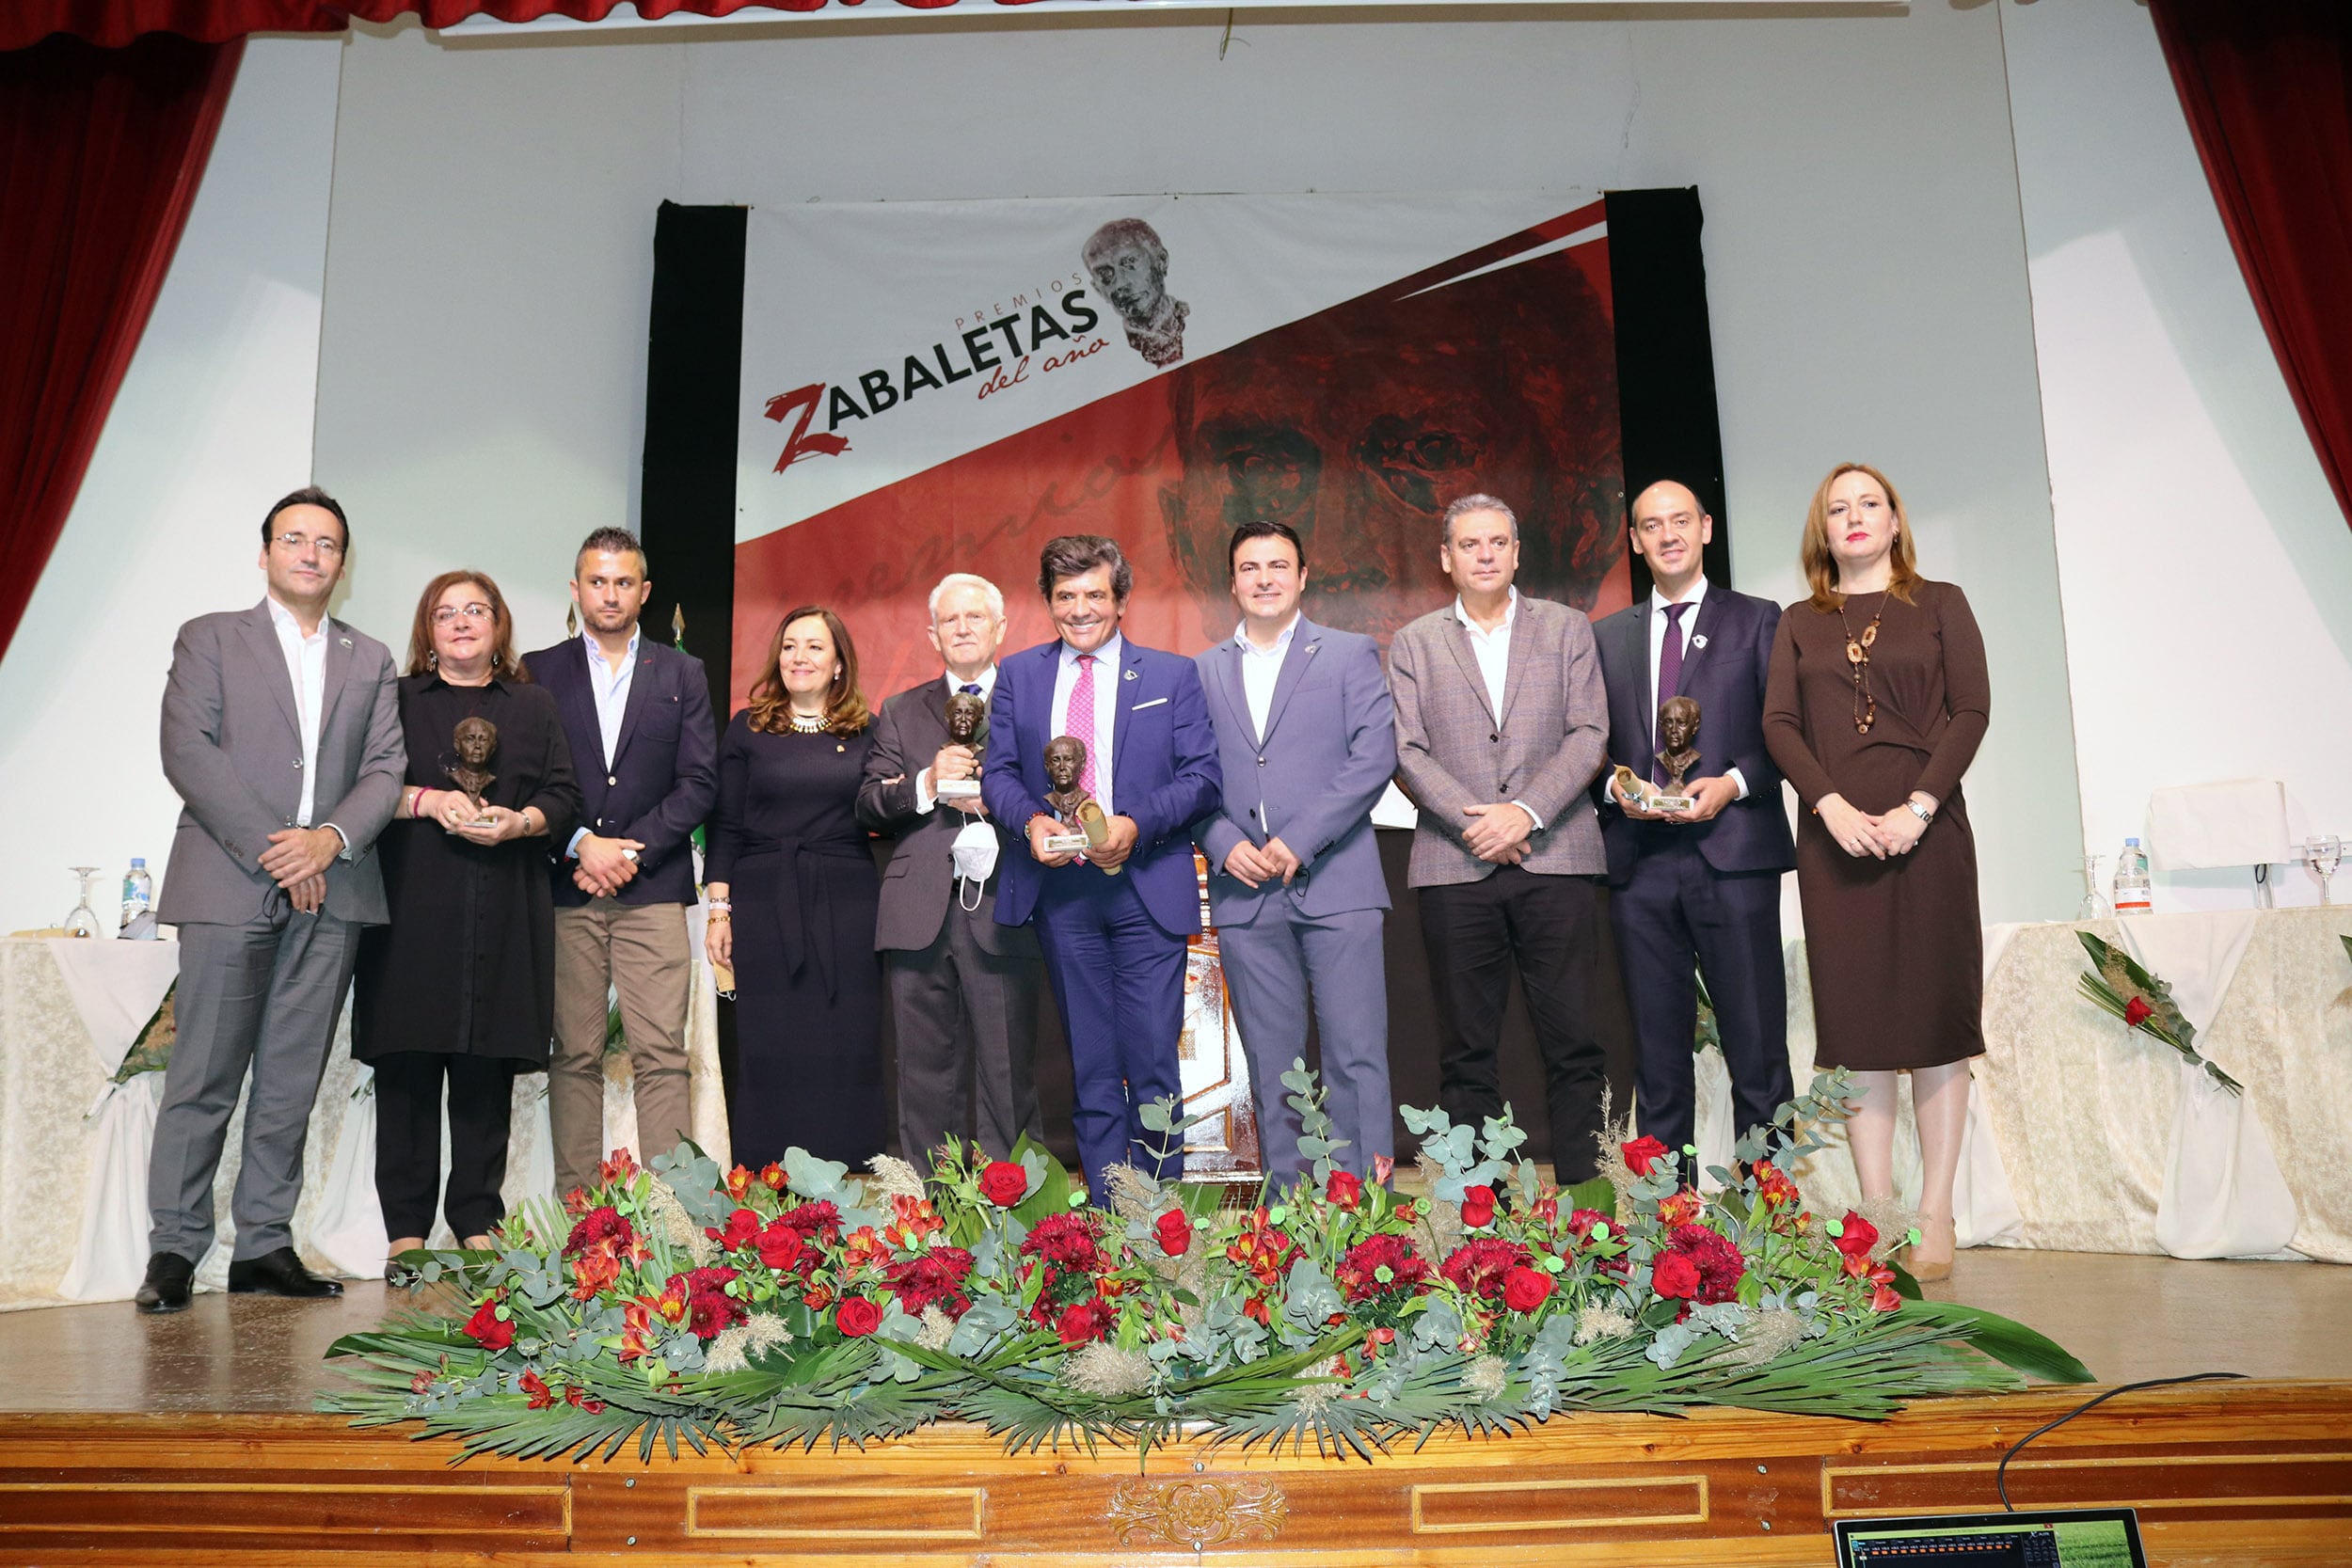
1130	675
1699	641
344	641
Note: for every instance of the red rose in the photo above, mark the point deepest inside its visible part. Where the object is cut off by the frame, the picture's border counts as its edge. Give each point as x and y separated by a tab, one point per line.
1478	1207
1344	1188
1674	1277
1175	1232
856	1316
742	1228
1478	1268
493	1332
1083	1321
1855	1237
1004	1183
2136	1012
1525	1289
780	1245
1641	1153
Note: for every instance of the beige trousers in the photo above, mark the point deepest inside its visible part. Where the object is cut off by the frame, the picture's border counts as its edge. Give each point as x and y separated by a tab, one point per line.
640	952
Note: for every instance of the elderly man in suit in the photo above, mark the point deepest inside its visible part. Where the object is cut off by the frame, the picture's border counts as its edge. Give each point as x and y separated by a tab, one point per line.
1307	741
281	733
1500	723
1695	889
1115	919
637	717
963	989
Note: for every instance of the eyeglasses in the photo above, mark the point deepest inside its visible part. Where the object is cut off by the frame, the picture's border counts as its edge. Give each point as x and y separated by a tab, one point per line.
297	543
444	614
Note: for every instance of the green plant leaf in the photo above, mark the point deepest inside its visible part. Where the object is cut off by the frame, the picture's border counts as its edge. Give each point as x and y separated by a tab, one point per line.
2004	1340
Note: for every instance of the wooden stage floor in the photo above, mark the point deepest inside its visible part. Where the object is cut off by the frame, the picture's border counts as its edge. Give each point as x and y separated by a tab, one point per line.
189	1440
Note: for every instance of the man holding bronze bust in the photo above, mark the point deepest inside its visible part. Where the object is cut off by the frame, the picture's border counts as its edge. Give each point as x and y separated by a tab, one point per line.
1146	758
1691	815
963	989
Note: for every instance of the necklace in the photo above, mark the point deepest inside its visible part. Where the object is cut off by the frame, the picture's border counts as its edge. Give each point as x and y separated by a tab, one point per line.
804	723
1866	705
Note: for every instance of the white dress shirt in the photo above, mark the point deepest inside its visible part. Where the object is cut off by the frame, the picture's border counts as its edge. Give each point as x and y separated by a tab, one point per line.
305	666
1493	651
1260	669
1106	677
609	689
1657	627
925	797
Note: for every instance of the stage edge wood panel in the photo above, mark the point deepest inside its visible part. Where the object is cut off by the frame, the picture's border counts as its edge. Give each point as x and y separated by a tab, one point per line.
2245	1474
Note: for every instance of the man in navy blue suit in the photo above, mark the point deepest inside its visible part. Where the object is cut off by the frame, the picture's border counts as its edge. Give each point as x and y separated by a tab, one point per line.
1697	889
636	716
1113	922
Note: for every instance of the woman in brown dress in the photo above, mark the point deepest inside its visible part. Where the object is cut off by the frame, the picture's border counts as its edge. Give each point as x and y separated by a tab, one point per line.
1875	704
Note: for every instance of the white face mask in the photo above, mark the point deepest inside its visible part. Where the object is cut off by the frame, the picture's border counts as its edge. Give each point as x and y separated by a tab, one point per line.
973	852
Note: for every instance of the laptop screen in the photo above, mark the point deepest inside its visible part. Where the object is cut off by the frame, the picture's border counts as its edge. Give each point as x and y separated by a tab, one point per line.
2075	1538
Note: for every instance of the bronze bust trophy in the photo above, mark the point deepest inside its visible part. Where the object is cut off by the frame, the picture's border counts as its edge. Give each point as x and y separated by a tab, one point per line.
1678	729
967	727
476	740
1065	764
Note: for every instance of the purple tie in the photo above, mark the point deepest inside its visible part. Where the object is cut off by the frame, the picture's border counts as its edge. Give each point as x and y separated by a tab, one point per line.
1669	675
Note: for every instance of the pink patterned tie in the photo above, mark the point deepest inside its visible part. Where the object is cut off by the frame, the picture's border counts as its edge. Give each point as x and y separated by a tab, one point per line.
1078	722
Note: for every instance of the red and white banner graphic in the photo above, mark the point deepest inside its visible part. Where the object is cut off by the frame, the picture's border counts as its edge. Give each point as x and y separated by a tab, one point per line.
931	387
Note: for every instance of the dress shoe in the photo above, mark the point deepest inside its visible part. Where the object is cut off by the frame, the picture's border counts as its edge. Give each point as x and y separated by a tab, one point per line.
170	1278
278	1274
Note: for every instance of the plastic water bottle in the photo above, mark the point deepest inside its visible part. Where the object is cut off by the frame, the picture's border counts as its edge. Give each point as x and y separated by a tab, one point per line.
138	901
2131	879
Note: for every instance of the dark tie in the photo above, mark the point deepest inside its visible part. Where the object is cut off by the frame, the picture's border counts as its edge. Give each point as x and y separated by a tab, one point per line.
970	689
1669	675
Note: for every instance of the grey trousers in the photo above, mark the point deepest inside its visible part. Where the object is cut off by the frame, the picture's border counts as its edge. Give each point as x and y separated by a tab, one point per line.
963	1012
264	994
1272	965
638	951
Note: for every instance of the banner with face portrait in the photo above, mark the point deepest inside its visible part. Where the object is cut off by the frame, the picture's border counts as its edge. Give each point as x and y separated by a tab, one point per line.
931	387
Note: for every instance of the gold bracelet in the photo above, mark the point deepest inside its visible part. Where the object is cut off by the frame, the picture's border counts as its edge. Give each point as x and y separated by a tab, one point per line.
719	914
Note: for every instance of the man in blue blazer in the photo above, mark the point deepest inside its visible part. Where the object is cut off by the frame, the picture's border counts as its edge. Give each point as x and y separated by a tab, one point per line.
1695	889
636	716
1114	921
1307	738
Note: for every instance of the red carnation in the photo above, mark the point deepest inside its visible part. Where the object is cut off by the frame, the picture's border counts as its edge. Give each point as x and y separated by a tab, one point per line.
1085	1321
1478	1207
742	1228
1675	1275
1357	1272
1175	1232
709	1308
1345	1188
1065	1240
936	1276
2136	1012
493	1332
856	1316
1855	1237
816	1222
1477	1268
1004	1183
1642	1153
1719	1263
599	1225
1525	1289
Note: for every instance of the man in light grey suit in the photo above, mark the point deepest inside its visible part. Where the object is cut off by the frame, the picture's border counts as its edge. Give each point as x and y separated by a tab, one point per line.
1502	725
281	733
1306	739
963	989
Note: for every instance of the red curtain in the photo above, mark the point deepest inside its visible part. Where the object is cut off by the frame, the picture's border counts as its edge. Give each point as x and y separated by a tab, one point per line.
2267	89
101	152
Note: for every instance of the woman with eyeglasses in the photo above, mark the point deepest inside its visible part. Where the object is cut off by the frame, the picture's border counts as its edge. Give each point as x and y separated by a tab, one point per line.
458	991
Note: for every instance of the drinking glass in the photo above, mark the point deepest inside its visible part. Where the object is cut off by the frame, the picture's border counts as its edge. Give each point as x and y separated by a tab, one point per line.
2094	905
2322	853
83	921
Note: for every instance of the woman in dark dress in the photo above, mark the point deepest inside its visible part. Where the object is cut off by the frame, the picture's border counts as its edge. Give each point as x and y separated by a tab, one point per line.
794	895
1875	704
460	987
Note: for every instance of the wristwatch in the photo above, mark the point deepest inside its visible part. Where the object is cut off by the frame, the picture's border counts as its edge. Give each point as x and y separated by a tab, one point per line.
1921	812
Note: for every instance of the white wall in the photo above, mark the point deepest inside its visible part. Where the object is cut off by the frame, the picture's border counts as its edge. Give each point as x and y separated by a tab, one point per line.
2206	568
483	359
213	422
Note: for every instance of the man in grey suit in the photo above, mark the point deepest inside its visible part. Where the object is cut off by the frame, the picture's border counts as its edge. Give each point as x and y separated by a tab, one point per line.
281	733
963	989
1306	738
1501	725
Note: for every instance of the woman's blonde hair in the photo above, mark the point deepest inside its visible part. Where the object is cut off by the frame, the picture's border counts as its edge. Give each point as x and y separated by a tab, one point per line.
845	705
1820	567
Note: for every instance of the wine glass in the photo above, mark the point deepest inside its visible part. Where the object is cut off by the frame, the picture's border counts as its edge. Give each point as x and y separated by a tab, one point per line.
2094	905
2322	853
83	921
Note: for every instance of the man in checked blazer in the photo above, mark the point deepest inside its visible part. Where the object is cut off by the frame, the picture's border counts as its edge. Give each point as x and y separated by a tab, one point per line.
281	733
1502	725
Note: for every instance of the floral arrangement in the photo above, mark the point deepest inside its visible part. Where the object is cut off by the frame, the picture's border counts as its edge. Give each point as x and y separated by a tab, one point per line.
2121	988
799	1304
